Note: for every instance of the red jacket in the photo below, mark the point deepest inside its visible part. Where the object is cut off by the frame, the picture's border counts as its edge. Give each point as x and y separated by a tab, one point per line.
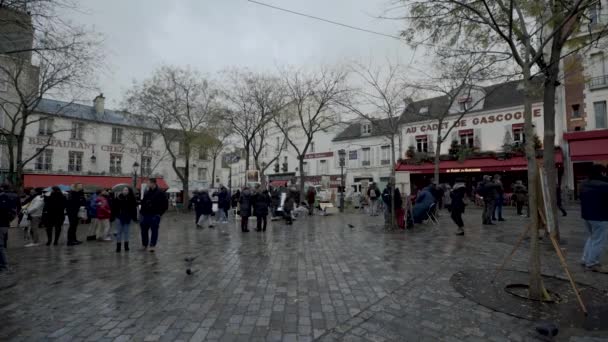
103	208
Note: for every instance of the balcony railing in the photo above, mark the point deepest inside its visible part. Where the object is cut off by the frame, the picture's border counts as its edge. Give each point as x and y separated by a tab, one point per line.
598	82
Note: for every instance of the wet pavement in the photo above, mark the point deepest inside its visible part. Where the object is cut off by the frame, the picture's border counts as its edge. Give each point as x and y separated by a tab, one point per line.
319	279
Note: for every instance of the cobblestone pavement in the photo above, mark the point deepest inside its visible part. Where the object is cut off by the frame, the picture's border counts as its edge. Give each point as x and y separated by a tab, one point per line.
316	280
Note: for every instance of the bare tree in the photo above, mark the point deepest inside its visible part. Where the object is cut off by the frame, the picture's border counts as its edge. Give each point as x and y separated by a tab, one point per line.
62	68
260	149
380	100
219	133
180	103
142	139
313	98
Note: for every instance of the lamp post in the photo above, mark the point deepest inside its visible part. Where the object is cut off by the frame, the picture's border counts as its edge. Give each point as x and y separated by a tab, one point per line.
135	166
342	155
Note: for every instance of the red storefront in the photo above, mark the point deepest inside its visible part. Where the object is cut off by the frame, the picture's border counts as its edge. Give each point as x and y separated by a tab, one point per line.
106	182
586	148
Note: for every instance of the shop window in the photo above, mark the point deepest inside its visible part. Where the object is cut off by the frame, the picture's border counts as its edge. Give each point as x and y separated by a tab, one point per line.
44	160
467	138
116	163
422	143
75	161
600	114
576	111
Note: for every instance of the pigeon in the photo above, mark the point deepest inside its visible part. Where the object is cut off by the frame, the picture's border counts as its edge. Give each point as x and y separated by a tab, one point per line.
189	271
190	259
350	226
548	329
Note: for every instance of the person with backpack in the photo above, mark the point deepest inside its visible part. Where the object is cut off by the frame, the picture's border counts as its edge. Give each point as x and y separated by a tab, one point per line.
75	201
124	211
10	206
104	214
34	213
373	193
54	214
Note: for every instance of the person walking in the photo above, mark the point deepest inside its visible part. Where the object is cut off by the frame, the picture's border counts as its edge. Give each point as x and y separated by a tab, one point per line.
92	213
124	211
245	202
34	213
487	189
594	196
223	204
10	206
373	193
104	215
521	196
236	197
558	197
261	204
153	206
54	208
74	202
500	197
288	207
457	206
194	204
311	196
204	209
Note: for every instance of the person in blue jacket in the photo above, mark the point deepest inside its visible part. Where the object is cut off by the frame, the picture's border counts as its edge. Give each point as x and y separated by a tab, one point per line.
92	213
424	200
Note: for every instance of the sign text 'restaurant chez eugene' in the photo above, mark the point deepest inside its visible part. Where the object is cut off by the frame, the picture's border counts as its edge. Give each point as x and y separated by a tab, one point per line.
81	145
476	121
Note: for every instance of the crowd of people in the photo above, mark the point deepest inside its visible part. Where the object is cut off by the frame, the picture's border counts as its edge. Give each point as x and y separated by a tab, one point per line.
53	208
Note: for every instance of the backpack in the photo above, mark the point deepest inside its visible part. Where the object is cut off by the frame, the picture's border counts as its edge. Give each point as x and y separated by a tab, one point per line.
373	194
7	206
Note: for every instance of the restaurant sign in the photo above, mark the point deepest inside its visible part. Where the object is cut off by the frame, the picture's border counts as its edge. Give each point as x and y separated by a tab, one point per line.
81	145
475	121
318	155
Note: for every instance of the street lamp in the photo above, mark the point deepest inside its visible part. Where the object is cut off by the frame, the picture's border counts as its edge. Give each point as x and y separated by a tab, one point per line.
135	166
342	155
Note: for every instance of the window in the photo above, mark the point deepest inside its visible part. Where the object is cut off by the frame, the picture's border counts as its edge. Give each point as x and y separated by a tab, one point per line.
75	161
45	127
518	134
576	111
306	167
467	138
385	155
366	129
116	135
182	170
424	110
146	139
202	153
202	173
595	12
600	114
146	166
323	167
278	144
422	143
464	103
77	130
115	163
285	164
312	147
365	156
352	155
181	148
44	160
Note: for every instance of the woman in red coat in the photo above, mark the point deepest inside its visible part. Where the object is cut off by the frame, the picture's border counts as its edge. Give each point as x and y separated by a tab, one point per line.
104	213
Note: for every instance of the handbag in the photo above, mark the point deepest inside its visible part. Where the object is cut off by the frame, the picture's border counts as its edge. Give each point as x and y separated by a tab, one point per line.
82	213
25	222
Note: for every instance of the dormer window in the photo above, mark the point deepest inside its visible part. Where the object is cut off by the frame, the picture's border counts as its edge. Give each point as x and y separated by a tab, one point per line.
423	111
366	129
464	103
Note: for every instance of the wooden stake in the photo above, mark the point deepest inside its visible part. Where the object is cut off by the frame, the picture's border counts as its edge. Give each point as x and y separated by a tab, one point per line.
565	266
515	247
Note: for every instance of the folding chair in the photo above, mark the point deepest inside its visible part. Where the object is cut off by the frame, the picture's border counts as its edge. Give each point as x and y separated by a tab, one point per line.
431	213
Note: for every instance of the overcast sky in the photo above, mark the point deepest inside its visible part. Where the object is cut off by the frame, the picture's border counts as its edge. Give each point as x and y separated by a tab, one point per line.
211	35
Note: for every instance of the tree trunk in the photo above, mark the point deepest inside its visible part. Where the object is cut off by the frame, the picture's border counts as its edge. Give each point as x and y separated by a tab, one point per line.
186	180
301	166
535	282
437	154
213	173
393	182
18	176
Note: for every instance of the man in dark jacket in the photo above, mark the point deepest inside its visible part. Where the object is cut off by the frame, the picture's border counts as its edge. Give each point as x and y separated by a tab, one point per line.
54	208
261	204
457	206
203	206
223	204
489	191
594	196
75	201
245	205
9	208
153	206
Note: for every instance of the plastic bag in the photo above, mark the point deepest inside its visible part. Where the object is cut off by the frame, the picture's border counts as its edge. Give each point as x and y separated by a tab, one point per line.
24	223
82	213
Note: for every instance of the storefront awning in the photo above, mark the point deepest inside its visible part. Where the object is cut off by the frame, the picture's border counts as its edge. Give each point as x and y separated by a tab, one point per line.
518	163
44	181
588	145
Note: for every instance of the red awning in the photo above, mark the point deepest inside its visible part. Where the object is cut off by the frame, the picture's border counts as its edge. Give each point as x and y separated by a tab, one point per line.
44	181
475	165
465	132
517	125
588	145
278	183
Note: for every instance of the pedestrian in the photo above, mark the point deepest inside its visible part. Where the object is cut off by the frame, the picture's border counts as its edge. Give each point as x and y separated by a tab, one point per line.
92	214
74	202
236	197
521	196
288	207
10	206
104	215
275	198
54	216
424	201
311	196
260	205
223	204
194	204
395	203
488	192
399	212
124	211
204	209
34	213
558	197
457	206
373	193
500	198
594	196
153	206
245	202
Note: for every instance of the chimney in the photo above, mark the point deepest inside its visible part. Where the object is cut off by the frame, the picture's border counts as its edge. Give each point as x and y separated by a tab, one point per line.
98	102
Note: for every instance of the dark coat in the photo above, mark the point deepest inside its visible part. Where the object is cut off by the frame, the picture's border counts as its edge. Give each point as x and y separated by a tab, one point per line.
246	202
223	199
203	205
235	199
54	208
10	206
124	208
261	204
521	193
311	195
74	202
594	196
386	197
457	197
154	202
